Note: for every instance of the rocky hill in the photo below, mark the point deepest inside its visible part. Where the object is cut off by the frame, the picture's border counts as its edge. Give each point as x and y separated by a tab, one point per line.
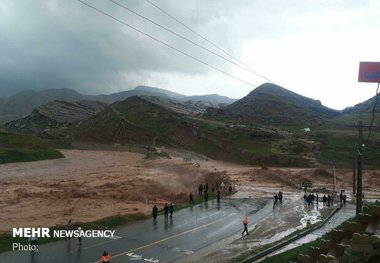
203	101
274	105
364	107
134	120
54	118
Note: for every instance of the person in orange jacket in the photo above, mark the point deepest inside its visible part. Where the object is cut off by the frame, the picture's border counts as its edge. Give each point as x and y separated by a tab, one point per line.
105	258
245	223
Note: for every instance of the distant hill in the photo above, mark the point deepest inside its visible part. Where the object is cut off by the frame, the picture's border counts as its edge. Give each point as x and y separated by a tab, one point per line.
183	108
134	120
53	118
351	116
212	99
364	107
274	105
168	93
138	91
23	103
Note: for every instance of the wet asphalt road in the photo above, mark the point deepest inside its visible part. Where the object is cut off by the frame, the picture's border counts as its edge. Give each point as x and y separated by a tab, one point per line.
189	231
344	214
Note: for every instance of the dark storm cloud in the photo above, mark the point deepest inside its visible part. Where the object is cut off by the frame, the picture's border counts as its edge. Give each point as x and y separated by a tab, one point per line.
64	44
56	44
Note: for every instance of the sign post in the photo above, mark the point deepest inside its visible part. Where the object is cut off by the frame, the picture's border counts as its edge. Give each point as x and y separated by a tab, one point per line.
369	72
359	191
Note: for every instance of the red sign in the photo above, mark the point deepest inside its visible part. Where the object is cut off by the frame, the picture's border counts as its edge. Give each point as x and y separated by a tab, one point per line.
369	72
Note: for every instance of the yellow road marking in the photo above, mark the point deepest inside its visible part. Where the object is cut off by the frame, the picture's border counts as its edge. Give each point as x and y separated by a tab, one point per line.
168	238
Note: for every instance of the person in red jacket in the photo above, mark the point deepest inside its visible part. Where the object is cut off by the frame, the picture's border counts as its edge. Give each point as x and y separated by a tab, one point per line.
105	258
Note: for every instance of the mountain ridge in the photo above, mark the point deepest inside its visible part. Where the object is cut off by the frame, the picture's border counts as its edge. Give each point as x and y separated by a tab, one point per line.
271	104
23	103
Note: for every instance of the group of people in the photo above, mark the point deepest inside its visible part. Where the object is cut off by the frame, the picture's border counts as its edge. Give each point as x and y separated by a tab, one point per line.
168	210
342	198
277	198
314	198
203	188
69	226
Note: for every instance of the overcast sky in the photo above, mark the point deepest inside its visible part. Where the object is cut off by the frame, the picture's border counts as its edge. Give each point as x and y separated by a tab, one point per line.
310	47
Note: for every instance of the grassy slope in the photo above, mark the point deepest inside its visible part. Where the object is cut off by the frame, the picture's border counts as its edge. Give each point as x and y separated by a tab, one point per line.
24	148
339	140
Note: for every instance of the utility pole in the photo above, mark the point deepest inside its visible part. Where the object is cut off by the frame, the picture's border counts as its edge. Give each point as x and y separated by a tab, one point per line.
359	192
367	73
334	180
353	174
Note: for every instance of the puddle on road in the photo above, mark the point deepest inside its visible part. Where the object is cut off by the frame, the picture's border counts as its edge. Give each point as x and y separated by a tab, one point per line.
285	219
312	217
294	219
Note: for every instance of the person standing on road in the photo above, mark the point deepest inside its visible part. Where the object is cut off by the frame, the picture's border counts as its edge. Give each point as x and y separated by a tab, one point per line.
154	212
200	189
166	210
230	189
68	228
309	200
191	198
218	196
280	197
245	223
171	209
33	242
275	198
105	258
80	236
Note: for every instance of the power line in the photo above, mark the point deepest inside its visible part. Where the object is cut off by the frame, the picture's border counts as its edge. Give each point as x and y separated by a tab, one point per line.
168	45
185	38
209	41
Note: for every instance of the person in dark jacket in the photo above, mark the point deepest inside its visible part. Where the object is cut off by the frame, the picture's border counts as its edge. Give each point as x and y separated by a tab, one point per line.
166	210
191	198
171	209
154	212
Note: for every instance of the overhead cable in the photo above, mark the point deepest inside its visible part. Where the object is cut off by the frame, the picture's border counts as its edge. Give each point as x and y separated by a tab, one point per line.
209	41
187	39
166	44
